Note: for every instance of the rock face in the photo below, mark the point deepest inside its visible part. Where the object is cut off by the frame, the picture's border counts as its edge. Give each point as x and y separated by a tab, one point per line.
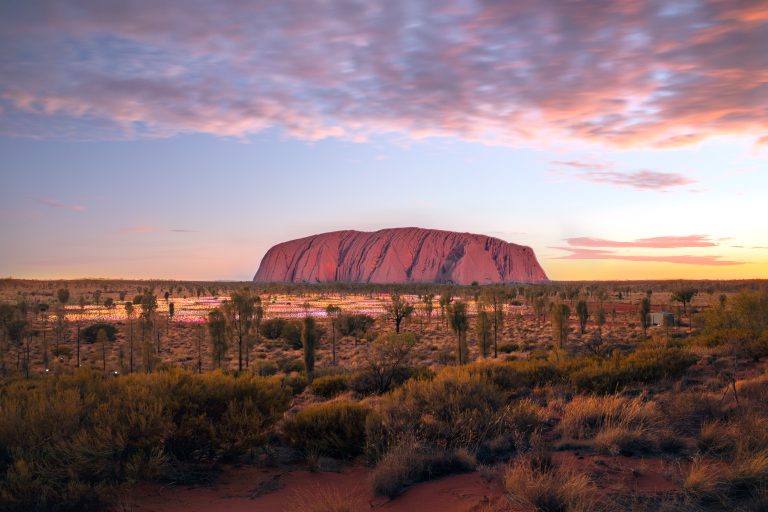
399	255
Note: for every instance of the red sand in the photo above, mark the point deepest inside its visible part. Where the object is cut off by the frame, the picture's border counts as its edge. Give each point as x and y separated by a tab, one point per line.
235	489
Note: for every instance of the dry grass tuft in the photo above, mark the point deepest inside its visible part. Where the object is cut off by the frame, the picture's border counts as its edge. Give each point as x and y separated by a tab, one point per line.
586	416
320	499
549	489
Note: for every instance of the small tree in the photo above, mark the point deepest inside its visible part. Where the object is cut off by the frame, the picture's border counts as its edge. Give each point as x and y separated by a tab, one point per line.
217	329
63	295
333	313
484	331
645	312
445	300
101	339
559	315
309	339
171	312
459	322
387	356
684	296
129	314
428	299
6	317
148	303
600	318
398	310
239	311
582	311
258	316
17	331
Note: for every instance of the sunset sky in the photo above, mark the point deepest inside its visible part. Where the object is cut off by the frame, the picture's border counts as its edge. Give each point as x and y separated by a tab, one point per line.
167	139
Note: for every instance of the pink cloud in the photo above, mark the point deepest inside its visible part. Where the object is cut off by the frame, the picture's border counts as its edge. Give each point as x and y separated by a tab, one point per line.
640	180
627	74
139	229
659	242
598	172
62	206
598	254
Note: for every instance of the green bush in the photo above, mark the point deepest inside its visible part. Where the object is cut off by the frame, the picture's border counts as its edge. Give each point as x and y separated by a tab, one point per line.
66	440
329	386
90	333
646	366
516	375
335	429
456	409
272	328
506	348
354	325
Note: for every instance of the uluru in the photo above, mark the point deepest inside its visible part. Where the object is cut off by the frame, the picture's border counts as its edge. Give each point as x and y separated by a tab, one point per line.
399	255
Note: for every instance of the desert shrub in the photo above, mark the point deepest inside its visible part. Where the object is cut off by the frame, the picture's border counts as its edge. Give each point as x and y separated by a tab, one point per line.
687	411
264	368
409	463
295	382
506	348
647	366
517	375
66	440
90	333
741	485
354	325
292	333
548	489
335	429
622	440
206	408
289	365
456	409
743	434
330	385
586	416
272	328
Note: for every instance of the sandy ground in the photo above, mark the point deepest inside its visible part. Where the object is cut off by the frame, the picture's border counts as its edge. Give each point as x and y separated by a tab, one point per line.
270	490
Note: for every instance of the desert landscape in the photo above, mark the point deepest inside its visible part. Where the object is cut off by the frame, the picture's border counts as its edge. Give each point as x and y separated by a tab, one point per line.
595	410
407	256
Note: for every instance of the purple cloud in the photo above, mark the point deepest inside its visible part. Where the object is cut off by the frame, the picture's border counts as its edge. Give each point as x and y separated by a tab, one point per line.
578	253
622	73
597	172
62	206
658	242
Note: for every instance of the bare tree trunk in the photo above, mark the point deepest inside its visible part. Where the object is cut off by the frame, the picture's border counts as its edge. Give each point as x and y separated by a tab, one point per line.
130	345
200	350
78	344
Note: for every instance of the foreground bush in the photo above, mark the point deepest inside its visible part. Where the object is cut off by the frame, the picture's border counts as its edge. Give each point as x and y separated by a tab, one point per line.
65	440
548	489
329	386
742	485
456	409
409	463
585	417
647	366
336	429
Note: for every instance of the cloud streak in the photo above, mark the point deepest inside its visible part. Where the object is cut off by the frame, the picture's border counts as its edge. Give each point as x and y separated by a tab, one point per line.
658	242
61	206
620	73
604	173
601	254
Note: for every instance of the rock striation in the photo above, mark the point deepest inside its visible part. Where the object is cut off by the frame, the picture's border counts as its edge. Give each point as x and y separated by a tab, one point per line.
399	255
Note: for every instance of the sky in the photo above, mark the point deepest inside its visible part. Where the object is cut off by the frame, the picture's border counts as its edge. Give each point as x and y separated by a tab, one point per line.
180	140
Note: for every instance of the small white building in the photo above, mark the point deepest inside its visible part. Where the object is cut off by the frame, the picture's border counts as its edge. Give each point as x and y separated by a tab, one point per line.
664	318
